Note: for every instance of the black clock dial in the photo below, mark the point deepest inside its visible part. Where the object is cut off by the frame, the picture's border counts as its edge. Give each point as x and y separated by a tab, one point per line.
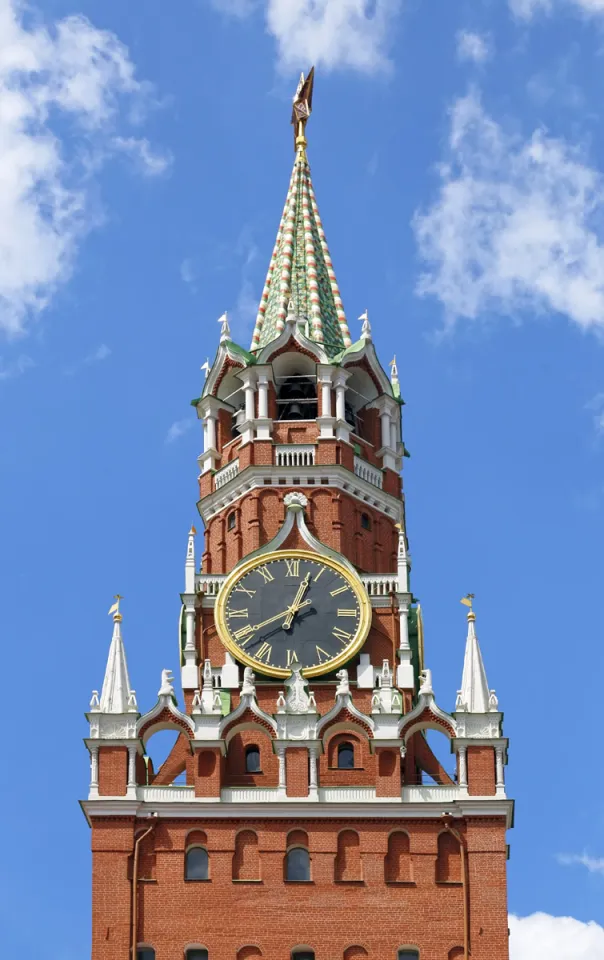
293	611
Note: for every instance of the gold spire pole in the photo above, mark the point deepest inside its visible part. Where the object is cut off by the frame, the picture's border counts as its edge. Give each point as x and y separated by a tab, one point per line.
115	608
302	109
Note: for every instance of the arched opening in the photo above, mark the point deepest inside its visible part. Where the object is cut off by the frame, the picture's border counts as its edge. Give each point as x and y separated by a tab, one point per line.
165	757
448	860
145	953
408	953
197	864
246	859
348	865
297	858
345	756
397	865
365	521
231	520
296	387
456	953
303	953
355	953
252	759
249	953
196	953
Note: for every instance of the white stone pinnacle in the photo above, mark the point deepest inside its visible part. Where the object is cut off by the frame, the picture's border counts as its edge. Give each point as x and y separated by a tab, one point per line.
116	691
474	694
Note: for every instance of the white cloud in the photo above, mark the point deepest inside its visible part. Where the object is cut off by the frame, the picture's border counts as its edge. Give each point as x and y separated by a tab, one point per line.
517	225
543	937
189	273
593	864
97	356
15	368
178	429
62	90
329	33
149	162
473	46
528	8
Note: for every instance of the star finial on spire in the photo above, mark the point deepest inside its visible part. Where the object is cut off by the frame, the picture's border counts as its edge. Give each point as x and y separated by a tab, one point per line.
302	108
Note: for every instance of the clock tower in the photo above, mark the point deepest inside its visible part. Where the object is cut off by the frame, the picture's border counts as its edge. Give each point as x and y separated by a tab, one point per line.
301	813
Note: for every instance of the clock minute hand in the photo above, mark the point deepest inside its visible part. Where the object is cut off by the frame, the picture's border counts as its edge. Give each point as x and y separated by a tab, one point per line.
278	616
296	605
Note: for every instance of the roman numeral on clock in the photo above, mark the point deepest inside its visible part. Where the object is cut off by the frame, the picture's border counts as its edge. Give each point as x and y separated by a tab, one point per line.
292	657
322	653
264	653
243	635
240	613
265	574
345	613
342	634
334	593
293	568
241	589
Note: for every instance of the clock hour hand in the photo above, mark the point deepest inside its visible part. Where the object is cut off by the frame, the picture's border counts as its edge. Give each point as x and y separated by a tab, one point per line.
297	604
251	628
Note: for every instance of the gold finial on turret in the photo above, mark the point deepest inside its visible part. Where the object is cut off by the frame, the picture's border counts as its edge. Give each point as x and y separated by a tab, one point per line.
115	608
467	602
302	109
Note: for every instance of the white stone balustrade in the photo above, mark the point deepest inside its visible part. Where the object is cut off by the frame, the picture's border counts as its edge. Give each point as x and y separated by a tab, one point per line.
365	471
209	584
433	793
227	473
380	584
295	455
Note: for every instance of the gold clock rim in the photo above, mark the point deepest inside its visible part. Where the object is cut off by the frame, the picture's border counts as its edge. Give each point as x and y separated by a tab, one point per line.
240	571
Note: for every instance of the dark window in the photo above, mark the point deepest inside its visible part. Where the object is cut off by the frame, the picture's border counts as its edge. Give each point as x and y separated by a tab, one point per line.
196	953
252	760
345	756
365	521
196	865
297	868
303	955
408	954
145	953
231	521
297	398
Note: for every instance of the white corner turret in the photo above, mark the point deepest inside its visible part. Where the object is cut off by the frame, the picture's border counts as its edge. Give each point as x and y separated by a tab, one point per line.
474	695
115	695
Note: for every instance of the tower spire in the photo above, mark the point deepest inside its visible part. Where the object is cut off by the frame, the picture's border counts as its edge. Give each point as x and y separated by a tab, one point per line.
117	695
301	270
474	696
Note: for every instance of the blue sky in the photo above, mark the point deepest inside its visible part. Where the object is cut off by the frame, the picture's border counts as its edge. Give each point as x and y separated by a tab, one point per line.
458	155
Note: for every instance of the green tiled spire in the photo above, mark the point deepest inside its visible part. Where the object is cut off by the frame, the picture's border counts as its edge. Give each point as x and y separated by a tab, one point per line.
301	270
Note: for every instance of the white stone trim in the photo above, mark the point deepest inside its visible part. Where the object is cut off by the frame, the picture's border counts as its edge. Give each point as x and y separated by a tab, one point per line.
253	477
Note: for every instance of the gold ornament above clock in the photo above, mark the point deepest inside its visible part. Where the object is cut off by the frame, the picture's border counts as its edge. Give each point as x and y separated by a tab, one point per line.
293	609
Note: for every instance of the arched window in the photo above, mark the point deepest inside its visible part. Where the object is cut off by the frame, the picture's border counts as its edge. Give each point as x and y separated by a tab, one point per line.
345	756
297	865
448	861
249	953
252	759
365	521
303	954
196	953
348	857
297	397
355	953
408	953
397	865
246	859
145	953
231	520
196	864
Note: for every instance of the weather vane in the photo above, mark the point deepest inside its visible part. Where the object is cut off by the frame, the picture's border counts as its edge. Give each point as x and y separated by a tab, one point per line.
302	108
115	607
467	600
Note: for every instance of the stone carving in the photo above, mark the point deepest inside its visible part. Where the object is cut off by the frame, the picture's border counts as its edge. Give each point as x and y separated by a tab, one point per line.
295	499
386	678
196	704
376	701
132	704
94	701
297	699
343	688
493	701
248	688
397	700
167	684
217	701
426	689
281	702
312	703
459	702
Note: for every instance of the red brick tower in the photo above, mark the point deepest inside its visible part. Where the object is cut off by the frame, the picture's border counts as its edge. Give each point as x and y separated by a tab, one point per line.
314	821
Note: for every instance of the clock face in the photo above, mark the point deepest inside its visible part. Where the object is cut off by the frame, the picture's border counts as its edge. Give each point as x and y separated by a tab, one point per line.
292	609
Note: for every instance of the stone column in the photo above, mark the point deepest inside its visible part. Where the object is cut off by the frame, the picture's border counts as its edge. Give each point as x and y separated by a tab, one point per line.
263	397
132	769
499	775
313	785
463	768
280	750
385	421
94	771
